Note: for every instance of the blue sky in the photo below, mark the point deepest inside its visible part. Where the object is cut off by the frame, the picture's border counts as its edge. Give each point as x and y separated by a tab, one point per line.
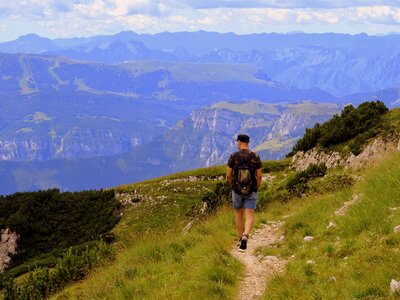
70	18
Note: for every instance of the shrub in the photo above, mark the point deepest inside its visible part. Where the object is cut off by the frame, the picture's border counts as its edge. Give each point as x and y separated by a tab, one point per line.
298	183
218	197
331	183
42	282
341	128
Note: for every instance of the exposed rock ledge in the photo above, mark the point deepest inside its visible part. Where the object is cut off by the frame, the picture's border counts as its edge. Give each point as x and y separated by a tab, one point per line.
371	155
8	247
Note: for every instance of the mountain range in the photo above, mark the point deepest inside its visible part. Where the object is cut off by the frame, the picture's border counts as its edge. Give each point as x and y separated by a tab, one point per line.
338	63
134	106
54	107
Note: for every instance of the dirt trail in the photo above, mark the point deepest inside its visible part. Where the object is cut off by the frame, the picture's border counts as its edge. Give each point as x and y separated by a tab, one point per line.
259	268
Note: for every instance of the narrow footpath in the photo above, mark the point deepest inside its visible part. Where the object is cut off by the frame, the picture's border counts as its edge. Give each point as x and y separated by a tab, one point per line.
259	268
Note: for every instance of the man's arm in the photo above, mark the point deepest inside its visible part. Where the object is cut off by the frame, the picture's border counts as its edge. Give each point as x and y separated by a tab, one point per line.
259	177
229	175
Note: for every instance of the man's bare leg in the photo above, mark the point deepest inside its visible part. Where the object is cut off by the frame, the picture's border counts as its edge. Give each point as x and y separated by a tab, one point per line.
239	222
249	221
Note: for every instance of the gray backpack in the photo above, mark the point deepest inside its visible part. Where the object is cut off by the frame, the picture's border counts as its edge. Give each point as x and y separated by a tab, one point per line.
243	178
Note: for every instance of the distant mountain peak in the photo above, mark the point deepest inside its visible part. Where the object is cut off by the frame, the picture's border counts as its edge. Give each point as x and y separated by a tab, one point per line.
29	43
30	37
126	35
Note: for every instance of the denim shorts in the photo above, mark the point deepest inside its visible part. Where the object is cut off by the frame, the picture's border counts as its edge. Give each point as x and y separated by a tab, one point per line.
244	201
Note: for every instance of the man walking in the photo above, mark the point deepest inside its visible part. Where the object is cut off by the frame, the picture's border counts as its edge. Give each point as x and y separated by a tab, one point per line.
244	176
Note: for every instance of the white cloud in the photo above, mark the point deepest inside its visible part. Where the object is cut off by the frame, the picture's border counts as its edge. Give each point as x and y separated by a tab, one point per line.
89	17
309	17
376	14
290	4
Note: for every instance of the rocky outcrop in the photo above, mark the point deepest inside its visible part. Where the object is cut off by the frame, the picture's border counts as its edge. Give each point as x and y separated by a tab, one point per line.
207	137
290	122
371	155
8	247
301	160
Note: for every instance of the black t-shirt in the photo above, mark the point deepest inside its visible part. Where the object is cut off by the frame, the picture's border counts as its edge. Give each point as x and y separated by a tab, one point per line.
252	160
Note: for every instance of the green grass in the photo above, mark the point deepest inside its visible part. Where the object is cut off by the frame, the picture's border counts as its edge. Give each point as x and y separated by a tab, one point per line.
354	260
250	108
314	108
169	266
276	144
392	118
155	259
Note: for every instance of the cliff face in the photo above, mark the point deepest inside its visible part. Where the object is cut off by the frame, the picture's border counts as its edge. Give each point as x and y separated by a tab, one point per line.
75	143
208	136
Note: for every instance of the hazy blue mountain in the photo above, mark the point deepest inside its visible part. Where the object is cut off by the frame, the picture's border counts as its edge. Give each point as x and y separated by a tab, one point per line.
57	108
201	43
88	43
54	107
204	138
114	52
337	63
77	124
391	97
30	43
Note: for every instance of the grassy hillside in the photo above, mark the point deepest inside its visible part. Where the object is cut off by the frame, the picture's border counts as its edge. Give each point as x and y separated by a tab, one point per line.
167	249
156	260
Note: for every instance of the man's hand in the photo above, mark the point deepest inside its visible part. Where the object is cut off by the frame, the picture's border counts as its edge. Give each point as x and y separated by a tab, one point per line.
229	175
259	178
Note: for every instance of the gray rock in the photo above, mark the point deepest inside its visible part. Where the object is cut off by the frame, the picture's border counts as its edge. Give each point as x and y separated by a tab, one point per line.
331	225
332	279
308	238
8	247
394	287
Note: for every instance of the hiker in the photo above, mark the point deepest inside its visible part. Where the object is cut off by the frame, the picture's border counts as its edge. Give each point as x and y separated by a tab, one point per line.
244	176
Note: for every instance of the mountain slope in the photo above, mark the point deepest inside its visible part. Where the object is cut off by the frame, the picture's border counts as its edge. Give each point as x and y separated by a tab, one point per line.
338	63
339	236
357	241
30	43
352	249
342	212
54	107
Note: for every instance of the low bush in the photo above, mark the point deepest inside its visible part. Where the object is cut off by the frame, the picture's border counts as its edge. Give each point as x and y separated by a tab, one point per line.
298	183
42	282
221	195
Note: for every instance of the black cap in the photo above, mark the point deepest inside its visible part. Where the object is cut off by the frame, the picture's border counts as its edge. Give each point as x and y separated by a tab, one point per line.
244	138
